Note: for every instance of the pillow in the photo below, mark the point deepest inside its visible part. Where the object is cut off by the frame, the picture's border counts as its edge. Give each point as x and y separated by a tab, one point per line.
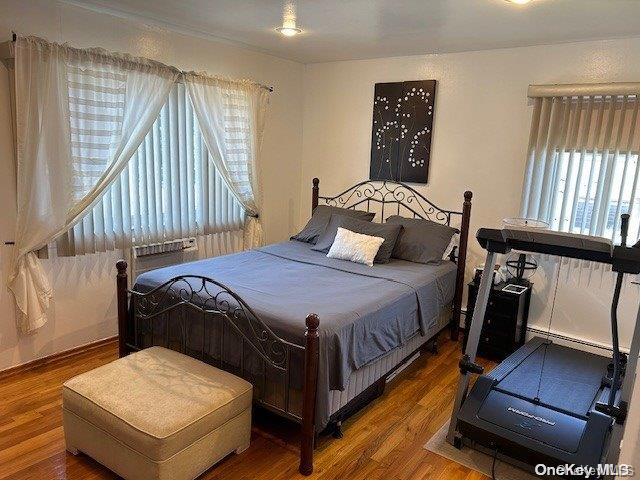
320	218
388	232
355	247
421	241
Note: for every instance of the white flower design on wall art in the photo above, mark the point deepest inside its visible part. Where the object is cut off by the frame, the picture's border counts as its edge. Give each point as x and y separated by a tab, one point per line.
401	130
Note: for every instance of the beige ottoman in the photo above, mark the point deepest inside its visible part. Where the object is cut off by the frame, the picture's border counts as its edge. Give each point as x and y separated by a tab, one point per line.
157	414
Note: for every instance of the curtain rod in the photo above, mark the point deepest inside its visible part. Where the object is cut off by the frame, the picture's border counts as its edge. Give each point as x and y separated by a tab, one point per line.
270	88
583	89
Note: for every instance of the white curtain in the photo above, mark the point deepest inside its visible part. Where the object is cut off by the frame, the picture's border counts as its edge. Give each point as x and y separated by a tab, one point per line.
81	115
231	115
582	168
169	190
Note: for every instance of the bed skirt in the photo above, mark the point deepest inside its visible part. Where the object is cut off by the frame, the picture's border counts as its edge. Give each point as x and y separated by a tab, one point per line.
366	376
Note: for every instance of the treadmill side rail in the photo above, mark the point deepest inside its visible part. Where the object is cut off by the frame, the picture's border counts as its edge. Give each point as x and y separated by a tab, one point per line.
473	339
626	391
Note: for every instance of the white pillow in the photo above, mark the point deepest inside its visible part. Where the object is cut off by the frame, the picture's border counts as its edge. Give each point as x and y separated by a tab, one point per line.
355	247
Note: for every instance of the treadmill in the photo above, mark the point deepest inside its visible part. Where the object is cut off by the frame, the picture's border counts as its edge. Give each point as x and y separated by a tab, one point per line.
547	403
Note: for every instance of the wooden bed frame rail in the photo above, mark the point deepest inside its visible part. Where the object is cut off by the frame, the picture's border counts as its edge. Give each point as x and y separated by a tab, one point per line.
211	298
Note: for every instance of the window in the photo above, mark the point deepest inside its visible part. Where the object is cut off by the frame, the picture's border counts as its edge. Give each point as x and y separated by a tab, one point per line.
169	190
583	169
576	193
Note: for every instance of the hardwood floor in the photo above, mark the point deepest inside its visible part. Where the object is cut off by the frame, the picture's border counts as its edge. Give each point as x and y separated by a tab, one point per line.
384	440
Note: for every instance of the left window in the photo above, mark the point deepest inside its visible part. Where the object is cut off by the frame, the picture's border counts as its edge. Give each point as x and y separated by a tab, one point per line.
169	190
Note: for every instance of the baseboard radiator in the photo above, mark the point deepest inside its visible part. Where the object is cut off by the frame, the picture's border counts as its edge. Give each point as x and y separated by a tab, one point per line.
563	337
542	332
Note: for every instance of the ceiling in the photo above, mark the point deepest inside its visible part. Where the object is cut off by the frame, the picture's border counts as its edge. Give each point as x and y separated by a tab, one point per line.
356	29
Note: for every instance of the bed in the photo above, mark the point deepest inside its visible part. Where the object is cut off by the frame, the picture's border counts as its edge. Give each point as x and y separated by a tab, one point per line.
316	336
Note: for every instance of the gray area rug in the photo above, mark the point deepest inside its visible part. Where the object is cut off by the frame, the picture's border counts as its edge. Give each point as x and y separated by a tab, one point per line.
473	459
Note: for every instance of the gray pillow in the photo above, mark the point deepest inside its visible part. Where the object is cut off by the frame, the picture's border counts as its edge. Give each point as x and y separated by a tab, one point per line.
320	219
421	241
386	231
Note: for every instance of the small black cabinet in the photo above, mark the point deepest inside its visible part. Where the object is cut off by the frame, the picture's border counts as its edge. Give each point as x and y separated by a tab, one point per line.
505	322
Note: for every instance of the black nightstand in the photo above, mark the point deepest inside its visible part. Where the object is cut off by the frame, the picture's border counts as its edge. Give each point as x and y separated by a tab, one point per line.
505	322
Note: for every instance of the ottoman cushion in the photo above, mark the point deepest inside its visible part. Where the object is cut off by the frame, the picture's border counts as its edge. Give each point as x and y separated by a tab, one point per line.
157	401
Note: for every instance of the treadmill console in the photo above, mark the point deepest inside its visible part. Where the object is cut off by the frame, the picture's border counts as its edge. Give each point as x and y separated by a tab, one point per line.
584	247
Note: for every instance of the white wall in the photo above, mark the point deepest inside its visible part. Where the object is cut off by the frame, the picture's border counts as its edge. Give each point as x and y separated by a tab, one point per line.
84	308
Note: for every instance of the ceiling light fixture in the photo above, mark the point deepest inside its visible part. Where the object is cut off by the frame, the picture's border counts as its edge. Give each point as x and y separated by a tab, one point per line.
519	2
289	27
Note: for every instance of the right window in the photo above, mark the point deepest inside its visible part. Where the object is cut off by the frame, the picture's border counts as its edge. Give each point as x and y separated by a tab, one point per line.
582	166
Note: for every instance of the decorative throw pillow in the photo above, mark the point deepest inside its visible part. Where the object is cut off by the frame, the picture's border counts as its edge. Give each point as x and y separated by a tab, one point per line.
320	218
421	241
355	247
388	232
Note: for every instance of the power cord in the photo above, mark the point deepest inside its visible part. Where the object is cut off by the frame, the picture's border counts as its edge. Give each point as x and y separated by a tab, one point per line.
493	464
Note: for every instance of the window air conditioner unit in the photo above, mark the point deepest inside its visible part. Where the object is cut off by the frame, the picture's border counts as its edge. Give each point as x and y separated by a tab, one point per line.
158	255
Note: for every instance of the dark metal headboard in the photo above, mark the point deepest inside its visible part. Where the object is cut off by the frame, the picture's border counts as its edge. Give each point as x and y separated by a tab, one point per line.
400	199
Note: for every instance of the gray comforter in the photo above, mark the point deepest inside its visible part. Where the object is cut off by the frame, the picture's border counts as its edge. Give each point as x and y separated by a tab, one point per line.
364	311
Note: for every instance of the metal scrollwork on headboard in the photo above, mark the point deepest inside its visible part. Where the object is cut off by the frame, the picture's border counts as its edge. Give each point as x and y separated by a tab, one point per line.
388	194
208	296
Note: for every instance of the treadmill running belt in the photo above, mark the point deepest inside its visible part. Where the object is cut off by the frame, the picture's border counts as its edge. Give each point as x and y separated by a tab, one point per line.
570	379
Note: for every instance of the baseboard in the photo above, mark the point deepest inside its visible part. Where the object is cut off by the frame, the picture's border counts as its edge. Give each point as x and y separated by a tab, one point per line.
542	332
40	362
566	338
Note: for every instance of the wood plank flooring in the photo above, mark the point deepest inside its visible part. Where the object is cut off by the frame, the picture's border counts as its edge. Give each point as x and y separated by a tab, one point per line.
384	441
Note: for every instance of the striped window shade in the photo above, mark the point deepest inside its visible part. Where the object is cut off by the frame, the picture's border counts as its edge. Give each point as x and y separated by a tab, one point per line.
237	141
582	167
169	190
96	113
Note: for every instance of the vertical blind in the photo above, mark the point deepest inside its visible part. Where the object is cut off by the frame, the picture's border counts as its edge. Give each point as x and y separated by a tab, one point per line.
582	167
169	190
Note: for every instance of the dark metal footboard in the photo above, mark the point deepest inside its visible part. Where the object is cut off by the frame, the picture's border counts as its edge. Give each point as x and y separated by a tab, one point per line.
164	316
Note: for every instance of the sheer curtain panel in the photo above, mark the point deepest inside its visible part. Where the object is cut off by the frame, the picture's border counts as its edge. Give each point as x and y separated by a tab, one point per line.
582	167
81	115
231	115
169	190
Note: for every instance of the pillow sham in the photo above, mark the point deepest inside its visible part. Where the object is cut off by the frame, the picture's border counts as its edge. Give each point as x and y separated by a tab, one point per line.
320	218
355	247
387	232
421	241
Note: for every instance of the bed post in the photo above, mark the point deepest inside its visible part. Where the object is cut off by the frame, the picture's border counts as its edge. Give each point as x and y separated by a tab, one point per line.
309	392
315	191
462	258
123	308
